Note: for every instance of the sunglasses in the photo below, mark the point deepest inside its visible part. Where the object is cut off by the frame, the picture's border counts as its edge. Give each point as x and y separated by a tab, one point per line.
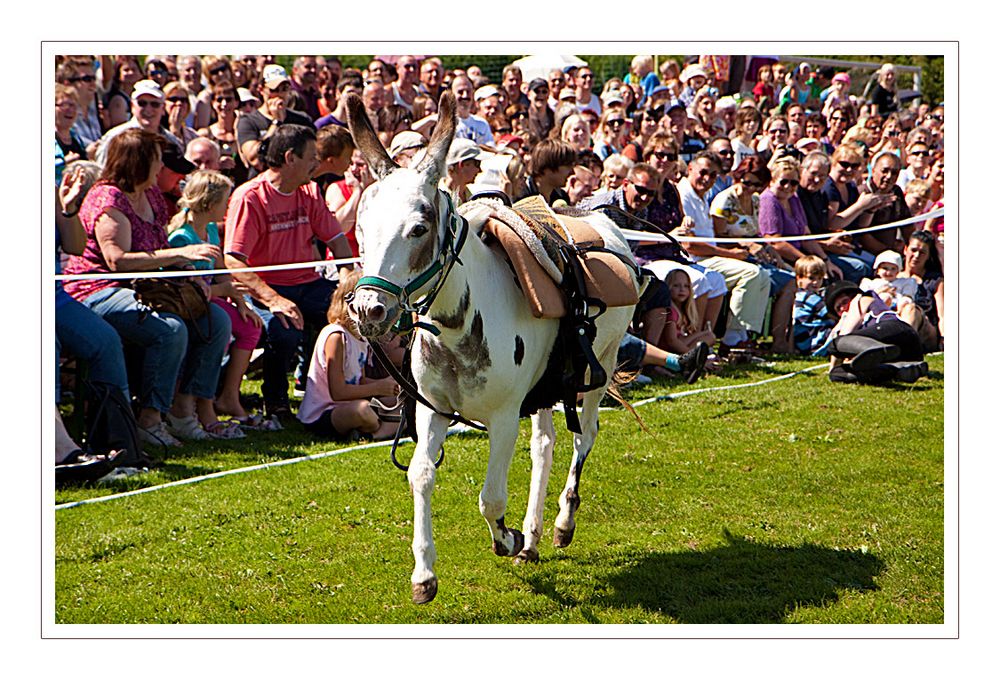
773	131
936	117
158	72
149	103
665	155
751	184
849	166
585	76
726	152
643	192
786	183
617	122
218	69
85	79
177	100
920	153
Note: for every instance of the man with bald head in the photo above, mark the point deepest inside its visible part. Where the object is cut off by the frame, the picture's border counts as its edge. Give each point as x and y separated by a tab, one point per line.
204	153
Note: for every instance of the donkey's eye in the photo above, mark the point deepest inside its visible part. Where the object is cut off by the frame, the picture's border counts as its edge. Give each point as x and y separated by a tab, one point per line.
418	230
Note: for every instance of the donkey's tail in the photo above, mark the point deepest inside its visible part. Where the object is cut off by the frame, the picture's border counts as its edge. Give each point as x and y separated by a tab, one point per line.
618	380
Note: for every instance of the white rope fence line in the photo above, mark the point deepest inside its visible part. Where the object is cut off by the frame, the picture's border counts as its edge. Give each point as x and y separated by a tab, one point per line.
629	234
372	445
633	235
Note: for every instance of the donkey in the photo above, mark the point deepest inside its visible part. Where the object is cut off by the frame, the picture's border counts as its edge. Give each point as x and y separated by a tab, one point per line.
489	352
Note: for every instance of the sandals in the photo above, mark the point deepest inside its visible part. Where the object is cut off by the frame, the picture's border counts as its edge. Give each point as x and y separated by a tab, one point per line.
256	421
225	429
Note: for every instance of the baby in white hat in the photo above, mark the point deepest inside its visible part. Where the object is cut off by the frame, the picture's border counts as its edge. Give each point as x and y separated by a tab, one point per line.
895	290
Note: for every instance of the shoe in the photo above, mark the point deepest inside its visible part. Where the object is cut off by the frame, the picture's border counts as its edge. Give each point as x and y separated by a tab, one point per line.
225	429
82	468
641	380
864	353
693	362
280	413
910	372
157	436
187	427
122	473
299	390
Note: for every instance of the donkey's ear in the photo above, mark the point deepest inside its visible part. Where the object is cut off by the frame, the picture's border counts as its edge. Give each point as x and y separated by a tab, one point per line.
365	138
437	149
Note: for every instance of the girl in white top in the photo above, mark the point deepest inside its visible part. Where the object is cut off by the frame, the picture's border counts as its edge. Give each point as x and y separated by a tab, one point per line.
338	395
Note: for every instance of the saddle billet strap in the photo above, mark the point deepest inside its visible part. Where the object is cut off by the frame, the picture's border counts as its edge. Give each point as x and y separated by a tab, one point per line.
410	389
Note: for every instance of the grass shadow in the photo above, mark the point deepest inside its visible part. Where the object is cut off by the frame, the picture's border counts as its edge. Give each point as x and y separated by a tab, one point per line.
741	582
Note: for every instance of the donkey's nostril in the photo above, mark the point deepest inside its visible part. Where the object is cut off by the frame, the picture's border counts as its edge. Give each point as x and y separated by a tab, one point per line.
376	314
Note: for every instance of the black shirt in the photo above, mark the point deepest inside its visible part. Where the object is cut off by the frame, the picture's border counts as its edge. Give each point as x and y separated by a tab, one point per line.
253	126
815	205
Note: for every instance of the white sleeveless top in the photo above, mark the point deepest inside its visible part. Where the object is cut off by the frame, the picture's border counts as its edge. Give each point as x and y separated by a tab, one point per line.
318	399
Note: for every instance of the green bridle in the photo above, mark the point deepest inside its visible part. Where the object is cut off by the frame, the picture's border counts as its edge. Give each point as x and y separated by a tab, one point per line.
454	230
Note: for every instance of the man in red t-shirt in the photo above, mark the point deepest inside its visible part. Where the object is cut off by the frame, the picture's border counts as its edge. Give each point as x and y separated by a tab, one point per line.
272	219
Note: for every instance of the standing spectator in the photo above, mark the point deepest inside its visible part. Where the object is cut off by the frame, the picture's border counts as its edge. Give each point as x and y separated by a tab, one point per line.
223	132
177	101
487	101
191	78
463	165
642	74
748	284
676	123
305	71
469	126
404	90
156	70
125	222
346	85
254	127
763	90
511	80
373	95
217	69
612	133
748	121
557	83
694	78
432	78
918	159
722	148
884	95
840	119
118	100
540	116
585	97
576	132
272	219
702	117
70	145
839	94
203	153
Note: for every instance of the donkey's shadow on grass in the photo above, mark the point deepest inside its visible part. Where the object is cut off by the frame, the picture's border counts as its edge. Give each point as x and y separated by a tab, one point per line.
741	582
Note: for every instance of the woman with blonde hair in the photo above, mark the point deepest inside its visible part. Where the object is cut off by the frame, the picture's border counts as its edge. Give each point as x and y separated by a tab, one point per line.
612	133
202	208
575	131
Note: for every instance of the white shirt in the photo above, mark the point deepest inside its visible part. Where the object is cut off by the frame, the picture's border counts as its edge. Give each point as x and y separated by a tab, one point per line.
697	208
476	129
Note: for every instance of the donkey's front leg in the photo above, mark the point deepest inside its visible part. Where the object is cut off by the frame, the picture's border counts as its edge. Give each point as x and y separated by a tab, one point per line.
493	497
431	431
543	436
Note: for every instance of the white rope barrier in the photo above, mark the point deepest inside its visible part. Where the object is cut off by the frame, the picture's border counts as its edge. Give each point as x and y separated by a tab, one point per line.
629	234
633	235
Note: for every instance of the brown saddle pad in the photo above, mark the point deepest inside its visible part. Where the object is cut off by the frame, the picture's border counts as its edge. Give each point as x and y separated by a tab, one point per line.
605	276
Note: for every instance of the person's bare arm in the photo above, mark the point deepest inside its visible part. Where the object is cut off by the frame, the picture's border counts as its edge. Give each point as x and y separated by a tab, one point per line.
284	309
114	237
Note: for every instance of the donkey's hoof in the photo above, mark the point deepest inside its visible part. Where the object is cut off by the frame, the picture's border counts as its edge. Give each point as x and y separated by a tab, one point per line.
501	551
425	592
526	555
562	538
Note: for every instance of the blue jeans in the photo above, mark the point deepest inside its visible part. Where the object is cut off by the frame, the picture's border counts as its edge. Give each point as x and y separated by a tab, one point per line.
855	268
87	336
631	352
281	344
172	348
779	277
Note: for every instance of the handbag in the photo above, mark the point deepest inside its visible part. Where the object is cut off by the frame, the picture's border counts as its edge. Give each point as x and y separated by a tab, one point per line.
180	296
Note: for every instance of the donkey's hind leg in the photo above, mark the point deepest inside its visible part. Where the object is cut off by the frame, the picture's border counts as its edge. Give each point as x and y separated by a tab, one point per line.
493	497
543	437
569	500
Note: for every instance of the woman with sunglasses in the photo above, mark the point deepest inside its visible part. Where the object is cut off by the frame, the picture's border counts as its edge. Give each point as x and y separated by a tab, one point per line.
775	136
218	68
845	203
919	158
839	121
78	73
223	131
644	125
178	104
612	133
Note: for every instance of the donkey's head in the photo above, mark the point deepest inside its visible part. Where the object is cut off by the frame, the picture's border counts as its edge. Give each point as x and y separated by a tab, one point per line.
399	224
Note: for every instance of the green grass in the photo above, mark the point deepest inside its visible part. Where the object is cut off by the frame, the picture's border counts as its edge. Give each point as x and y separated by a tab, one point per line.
799	501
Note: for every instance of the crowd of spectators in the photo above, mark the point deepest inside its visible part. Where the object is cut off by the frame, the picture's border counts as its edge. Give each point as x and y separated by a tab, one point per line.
252	165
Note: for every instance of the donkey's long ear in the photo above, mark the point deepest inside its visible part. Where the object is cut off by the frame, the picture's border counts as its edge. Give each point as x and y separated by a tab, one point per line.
366	139
433	162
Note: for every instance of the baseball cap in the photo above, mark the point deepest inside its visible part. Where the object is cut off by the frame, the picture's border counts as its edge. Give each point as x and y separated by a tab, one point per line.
842	78
245	95
692	71
537	83
274	75
405	140
567	93
612	97
463	150
148	87
174	159
485	91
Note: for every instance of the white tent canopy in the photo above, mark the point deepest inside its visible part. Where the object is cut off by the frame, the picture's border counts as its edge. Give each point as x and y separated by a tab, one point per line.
539	65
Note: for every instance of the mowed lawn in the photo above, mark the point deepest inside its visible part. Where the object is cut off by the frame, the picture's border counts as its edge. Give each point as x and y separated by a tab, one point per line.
798	501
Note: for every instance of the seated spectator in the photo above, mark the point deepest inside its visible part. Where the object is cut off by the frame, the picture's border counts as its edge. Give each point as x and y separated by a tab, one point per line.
340	400
203	206
922	264
839	120
846	206
684	329
292	303
776	132
645	125
552	163
156	70
392	120
576	132
815	204
70	145
191	69
918	164
147	114
178	105
892	207
675	122
225	103
747	124
203	153
78	72
616	168
612	133
125	222
917	194
305	86
811	324
541	118
256	126
702	117
218	69
584	181
464	157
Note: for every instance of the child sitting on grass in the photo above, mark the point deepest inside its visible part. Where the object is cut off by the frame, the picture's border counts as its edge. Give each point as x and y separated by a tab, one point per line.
681	332
338	396
811	325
